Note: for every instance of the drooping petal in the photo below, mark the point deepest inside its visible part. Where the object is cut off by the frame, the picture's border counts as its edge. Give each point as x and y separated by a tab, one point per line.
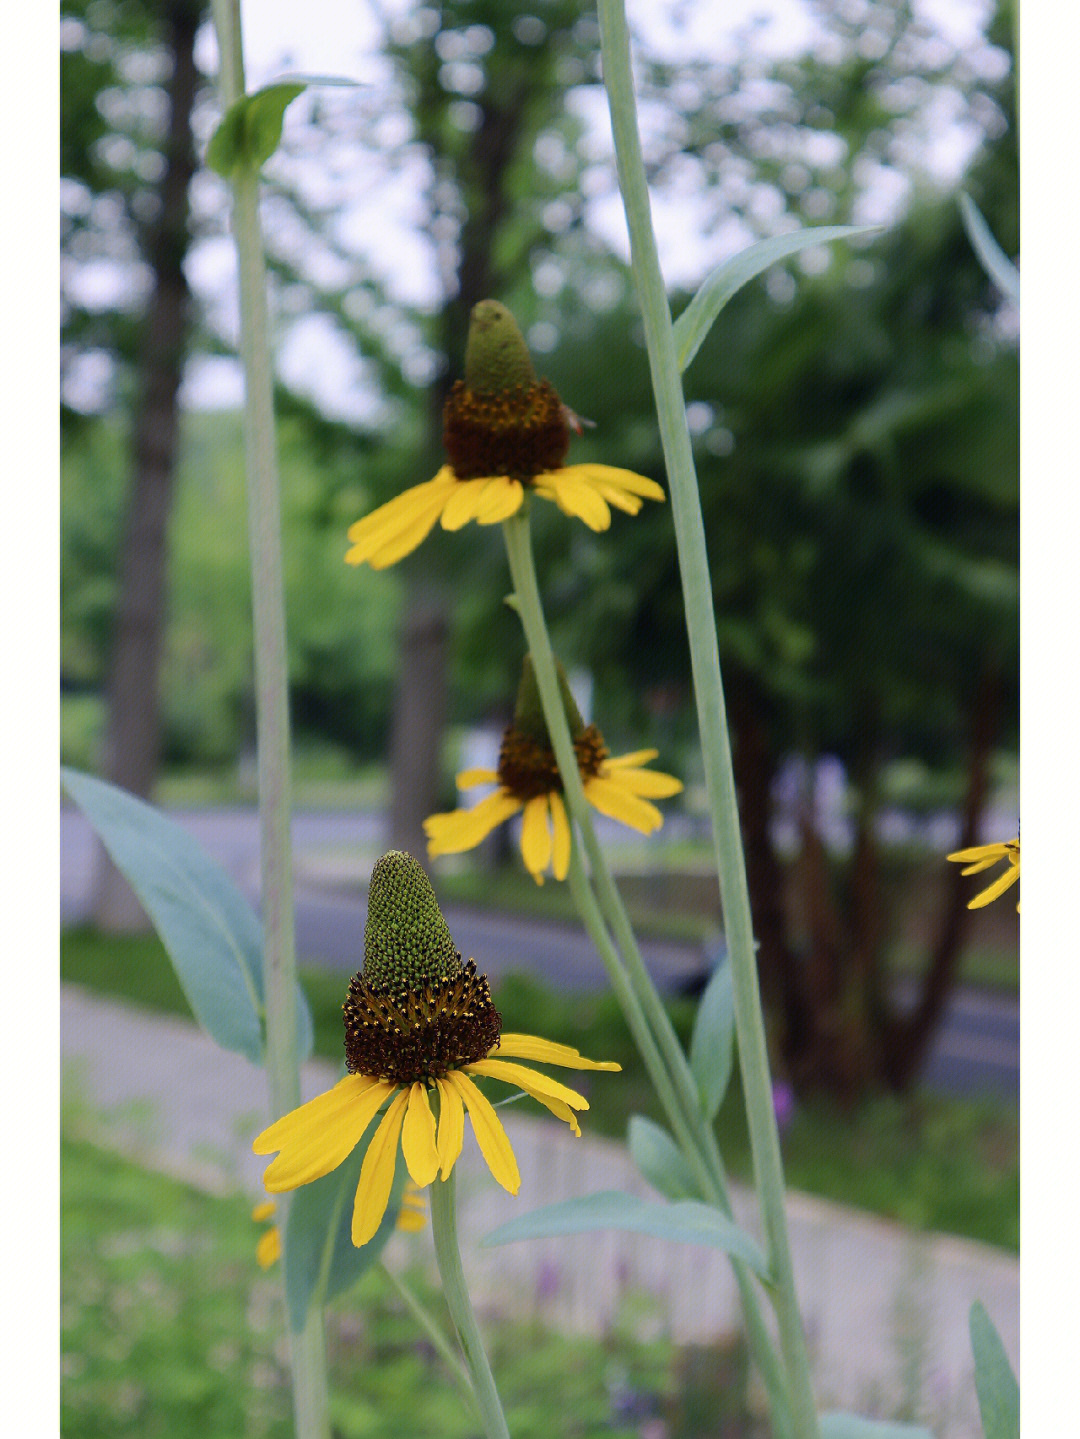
980	851
612	799
530	1080
981	864
650	783
632	760
560	1111
536	837
502	498
629	504
546	1051
490	1135
377	1173
999	886
418	1138
404	522
560	848
575	497
451	1126
461	506
319	1135
469	778
625	480
462	829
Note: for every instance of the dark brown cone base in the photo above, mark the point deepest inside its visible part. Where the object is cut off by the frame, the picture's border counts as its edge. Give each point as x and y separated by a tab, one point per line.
528	768
520	432
409	1036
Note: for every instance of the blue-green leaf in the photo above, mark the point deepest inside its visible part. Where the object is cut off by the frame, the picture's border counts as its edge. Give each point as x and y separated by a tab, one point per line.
991	256
687	1222
250	130
854	1426
995	1382
697	319
211	932
321	1260
712	1043
660	1160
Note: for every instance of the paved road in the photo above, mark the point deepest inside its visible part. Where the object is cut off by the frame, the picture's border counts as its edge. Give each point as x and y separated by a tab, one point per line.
976	1050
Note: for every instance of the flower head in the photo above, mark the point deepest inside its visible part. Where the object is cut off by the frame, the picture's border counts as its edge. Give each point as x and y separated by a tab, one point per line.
419	1025
529	780
982	856
505	432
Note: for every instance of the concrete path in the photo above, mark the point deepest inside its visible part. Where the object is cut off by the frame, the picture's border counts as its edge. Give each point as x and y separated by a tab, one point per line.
886	1309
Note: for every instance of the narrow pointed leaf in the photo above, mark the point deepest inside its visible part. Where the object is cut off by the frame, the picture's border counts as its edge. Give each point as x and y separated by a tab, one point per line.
712	1043
687	1222
321	1260
697	319
991	256
660	1160
211	933
995	1382
854	1426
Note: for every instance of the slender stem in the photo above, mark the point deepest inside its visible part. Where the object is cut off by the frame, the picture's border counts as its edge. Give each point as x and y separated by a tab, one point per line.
719	775
444	1232
431	1328
632	984
310	1401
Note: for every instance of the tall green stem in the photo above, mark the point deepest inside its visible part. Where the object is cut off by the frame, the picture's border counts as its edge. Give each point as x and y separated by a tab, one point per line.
271	689
444	1233
719	774
630	981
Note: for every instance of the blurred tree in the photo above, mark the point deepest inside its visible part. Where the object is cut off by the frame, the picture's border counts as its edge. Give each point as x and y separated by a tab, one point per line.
157	220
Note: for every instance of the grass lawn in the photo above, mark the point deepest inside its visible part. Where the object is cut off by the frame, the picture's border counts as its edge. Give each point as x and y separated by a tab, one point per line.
933	1162
171	1331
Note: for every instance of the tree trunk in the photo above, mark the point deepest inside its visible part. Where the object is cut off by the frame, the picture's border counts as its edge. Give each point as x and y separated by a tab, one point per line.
419	715
132	742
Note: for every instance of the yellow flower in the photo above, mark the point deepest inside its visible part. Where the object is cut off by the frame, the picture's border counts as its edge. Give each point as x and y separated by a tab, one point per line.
268	1249
418	1024
413	1214
528	779
505	433
982	856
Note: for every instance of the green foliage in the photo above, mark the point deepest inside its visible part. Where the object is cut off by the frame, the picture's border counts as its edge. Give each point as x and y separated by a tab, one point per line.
854	1426
995	1382
660	1160
171	1331
685	1222
712	1043
250	131
212	934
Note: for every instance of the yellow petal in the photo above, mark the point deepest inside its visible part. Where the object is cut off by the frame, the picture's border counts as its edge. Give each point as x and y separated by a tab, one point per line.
560	849
451	1126
468	778
418	1138
575	497
631	761
410	1219
625	480
262	1212
530	1080
500	500
999	886
981	864
560	1111
268	1249
402	523
377	1173
461	506
462	829
650	783
535	836
610	798
490	1135
546	1051
980	851
318	1136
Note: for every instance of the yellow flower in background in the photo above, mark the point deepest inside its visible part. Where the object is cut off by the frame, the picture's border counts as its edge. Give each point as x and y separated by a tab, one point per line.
413	1214
982	856
528	780
505	432
419	1025
268	1249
